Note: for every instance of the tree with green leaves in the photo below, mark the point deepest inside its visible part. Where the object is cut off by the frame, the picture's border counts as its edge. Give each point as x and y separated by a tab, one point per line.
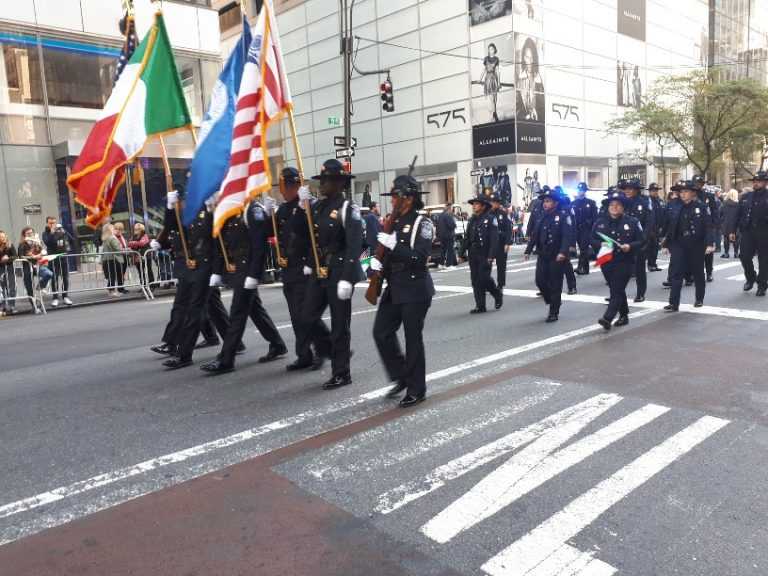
704	117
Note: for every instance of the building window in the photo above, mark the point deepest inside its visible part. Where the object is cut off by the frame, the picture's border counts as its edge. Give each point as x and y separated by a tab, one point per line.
76	79
21	72
570	178
595	179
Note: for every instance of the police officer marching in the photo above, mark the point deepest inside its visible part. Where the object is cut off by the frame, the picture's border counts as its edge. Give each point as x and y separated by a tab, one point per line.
244	237
338	231
505	239
713	205
565	205
753	224
652	236
689	236
585	210
627	239
408	294
639	207
480	247
551	238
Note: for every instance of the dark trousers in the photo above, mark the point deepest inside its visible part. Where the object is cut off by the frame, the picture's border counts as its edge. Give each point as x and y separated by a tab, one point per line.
709	263
570	276
8	286
652	254
322	295
113	273
585	250
295	293
755	244
549	281
411	367
263	321
618	275
480	274
215	318
501	267
193	311
727	244
60	280
641	275
448	251
177	313
686	258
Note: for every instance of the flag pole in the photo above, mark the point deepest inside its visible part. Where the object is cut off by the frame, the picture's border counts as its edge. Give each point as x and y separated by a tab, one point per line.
282	262
322	272
191	264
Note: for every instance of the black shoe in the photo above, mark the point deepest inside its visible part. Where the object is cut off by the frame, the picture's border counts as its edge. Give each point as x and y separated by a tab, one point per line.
670	308
580	271
409	400
724	255
689	282
748	285
551	318
240	348
622	321
477	311
639	299
709	278
736	256
499	300
164	349
318	362
122	291
698	304
667	284
176	363
337	382
299	365
396	390
607	299
654	269
273	354
208	344
760	292
216	367
604	323
538	293
572	291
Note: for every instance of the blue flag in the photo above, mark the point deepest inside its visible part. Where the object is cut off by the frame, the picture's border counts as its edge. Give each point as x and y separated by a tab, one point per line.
211	161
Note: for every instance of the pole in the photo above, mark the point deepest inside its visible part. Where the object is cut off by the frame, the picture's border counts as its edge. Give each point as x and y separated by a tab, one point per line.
282	262
191	264
346	50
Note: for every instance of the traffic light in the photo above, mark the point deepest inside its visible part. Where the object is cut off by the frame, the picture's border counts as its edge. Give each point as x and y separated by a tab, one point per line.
386	96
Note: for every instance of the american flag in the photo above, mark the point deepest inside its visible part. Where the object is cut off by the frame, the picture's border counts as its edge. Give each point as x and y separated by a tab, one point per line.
129	45
263	99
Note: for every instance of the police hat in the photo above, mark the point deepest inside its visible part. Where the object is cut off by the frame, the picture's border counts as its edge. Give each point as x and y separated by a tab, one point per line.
404	186
762	175
633	183
618	197
291	175
653	186
333	169
552	194
544	190
683	185
480	199
698	179
494	197
582	187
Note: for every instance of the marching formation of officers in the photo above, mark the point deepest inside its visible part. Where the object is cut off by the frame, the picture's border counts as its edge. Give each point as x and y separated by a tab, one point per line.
319	243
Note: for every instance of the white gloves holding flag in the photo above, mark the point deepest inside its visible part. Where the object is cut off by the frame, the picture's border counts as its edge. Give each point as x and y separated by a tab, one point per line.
172	199
154	245
269	205
250	283
210	203
216	280
344	290
376	265
307	271
304	194
388	240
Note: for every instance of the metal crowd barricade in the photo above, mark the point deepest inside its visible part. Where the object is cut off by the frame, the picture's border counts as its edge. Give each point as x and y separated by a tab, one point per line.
158	265
11	289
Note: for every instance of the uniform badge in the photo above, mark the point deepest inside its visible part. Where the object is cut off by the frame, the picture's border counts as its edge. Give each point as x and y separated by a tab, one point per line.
426	230
698	210
201	215
626	226
557	218
355	209
406	228
335	214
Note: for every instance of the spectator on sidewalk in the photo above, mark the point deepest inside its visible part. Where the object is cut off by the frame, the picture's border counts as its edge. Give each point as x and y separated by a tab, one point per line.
57	242
7	275
372	228
730	221
140	243
446	235
119	231
112	259
32	250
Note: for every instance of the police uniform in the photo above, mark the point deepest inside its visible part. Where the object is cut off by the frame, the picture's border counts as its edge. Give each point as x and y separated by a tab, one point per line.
753	224
570	275
339	239
641	208
714	207
481	245
689	231
551	237
623	230
585	211
406	298
245	239
291	235
652	236
505	239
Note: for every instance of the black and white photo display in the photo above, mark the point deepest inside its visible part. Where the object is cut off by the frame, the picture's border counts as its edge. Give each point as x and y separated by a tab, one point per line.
629	85
528	79
631	18
481	11
493	95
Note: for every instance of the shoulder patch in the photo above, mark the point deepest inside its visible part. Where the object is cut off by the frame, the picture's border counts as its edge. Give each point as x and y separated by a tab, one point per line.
427	231
258	212
495	221
354	211
568	220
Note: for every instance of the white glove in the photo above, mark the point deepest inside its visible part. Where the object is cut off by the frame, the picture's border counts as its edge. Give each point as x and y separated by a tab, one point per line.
304	193
210	204
250	283
376	265
269	205
307	271
388	240
155	245
215	281
344	290
172	199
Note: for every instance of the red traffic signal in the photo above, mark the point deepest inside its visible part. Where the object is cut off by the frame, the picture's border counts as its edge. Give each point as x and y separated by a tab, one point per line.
387	97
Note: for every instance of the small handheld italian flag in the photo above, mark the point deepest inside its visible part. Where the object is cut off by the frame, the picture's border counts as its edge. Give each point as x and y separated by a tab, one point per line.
605	254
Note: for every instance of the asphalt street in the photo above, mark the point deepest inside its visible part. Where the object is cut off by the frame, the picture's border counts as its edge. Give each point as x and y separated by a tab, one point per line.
542	450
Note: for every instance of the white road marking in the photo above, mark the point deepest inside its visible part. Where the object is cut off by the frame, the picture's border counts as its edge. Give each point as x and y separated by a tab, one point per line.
325	472
738	278
529	469
524	555
410	491
569	561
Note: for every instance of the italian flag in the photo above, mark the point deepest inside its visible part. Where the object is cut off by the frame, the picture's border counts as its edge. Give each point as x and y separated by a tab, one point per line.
605	254
147	100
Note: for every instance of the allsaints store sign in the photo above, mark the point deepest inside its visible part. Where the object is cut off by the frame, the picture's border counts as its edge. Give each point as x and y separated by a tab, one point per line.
631	18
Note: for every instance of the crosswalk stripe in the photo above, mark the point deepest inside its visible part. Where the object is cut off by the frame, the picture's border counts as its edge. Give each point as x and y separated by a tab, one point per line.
410	491
521	557
529	469
323	471
569	561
